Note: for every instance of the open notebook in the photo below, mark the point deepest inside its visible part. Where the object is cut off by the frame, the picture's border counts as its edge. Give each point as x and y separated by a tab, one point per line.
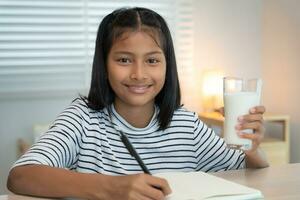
200	185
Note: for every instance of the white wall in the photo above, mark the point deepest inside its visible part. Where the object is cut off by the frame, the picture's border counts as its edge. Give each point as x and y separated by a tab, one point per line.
281	63
228	36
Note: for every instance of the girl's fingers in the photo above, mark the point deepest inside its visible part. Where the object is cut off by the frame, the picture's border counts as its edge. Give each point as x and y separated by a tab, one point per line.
251	118
160	183
255	137
141	197
255	114
155	188
254	120
250	136
257	126
257	110
146	186
153	193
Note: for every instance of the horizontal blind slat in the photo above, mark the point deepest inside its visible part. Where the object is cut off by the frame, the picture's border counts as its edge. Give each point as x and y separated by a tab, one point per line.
31	45
44	3
37	54
41	62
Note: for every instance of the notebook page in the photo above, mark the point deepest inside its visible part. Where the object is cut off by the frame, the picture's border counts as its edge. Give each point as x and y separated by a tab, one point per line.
200	185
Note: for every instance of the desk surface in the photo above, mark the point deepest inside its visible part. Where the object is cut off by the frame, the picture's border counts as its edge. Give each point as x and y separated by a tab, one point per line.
276	183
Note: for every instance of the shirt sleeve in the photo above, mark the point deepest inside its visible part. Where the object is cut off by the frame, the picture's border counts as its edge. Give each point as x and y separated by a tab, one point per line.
212	153
58	147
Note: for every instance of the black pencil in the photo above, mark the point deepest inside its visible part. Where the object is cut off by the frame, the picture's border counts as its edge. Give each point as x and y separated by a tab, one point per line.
133	152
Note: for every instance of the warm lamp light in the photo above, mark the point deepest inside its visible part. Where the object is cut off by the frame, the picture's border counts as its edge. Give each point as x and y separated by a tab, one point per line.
231	85
212	87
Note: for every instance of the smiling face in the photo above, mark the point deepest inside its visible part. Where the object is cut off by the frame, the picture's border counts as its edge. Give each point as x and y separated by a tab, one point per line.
136	68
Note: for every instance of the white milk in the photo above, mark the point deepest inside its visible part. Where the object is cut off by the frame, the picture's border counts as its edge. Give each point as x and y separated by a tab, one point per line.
237	104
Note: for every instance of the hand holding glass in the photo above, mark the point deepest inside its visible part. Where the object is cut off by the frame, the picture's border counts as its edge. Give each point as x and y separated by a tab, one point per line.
239	96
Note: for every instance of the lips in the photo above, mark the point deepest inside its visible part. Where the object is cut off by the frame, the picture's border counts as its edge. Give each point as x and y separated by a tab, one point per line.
138	89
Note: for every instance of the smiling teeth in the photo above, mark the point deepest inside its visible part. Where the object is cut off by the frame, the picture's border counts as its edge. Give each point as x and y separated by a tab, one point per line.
138	89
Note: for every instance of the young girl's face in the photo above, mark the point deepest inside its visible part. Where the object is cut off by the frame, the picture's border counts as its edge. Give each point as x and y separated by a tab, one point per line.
136	69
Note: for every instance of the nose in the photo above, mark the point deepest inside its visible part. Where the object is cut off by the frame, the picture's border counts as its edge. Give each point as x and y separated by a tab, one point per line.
138	71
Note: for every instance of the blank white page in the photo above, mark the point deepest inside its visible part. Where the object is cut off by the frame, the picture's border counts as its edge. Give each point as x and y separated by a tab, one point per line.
200	185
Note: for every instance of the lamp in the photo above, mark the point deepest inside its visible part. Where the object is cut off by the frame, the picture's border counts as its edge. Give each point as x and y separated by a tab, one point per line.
212	89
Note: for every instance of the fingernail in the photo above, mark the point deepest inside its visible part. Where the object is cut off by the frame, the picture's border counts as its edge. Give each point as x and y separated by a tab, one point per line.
238	127
252	110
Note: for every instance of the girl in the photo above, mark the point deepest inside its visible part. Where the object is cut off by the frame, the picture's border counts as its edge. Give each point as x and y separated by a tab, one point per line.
134	89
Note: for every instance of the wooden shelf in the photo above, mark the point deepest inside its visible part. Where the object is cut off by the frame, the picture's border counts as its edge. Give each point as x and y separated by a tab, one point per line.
271	139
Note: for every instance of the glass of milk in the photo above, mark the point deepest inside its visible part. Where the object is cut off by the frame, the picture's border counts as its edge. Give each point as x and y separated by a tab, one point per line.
239	96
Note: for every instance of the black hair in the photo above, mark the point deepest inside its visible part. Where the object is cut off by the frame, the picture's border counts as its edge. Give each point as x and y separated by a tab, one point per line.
112	26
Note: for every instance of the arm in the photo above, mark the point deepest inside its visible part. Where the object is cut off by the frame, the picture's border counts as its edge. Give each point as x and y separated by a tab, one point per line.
42	171
211	152
256	159
45	181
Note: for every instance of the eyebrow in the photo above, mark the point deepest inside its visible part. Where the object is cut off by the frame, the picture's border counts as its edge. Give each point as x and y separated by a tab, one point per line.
130	53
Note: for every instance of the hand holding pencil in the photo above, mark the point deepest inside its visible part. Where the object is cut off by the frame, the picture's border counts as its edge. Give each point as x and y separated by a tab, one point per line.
136	187
144	186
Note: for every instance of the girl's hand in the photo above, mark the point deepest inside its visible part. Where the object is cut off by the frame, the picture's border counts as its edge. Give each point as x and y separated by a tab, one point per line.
253	120
255	157
134	187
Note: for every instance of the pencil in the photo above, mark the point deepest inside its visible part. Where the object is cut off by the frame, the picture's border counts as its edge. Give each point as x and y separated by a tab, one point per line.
133	152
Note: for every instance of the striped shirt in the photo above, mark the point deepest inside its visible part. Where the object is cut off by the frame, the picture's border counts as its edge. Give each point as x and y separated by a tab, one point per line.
88	141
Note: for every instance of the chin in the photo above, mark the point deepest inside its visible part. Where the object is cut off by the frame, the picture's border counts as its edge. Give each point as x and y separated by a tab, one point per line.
139	103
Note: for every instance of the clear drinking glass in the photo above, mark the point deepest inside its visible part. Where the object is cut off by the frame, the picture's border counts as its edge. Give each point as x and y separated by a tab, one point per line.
239	96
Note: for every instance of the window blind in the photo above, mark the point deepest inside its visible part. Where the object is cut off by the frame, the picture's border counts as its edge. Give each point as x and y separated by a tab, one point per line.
47	46
42	46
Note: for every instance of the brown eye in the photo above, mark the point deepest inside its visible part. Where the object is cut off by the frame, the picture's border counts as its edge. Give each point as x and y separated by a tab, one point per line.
124	60
153	61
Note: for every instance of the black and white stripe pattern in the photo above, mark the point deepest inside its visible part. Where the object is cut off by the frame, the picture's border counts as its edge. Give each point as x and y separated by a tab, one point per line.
88	141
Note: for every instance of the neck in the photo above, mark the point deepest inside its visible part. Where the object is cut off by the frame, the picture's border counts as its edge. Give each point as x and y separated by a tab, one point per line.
137	116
